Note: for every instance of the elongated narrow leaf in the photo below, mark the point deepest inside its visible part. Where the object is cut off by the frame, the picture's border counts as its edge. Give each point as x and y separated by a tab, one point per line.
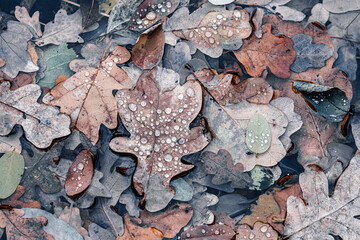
258	134
11	170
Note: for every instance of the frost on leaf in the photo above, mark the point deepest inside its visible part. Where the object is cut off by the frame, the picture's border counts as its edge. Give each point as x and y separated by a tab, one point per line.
158	122
217	30
41	123
87	96
323	216
229	124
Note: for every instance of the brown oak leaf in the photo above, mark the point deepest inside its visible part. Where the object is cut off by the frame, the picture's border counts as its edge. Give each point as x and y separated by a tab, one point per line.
23	16
273	51
203	232
87	96
71	215
259	231
13	201
158	121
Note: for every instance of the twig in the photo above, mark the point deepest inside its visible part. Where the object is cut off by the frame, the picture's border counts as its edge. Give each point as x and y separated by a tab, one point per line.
78	5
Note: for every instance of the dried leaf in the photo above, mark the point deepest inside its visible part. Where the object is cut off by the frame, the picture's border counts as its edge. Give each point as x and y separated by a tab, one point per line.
222	167
322	215
80	174
160	144
64	28
41	123
260	231
11	170
13	200
87	95
217	31
96	233
71	215
319	14
134	230
175	57
11	142
23	16
13	49
233	204
273	51
308	54
208	232
21	228
334	6
183	190
149	49
286	13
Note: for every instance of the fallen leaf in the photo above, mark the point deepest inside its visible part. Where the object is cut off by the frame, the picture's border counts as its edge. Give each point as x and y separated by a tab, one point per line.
273	51
159	144
13	200
222	167
80	174
134	230
334	6
258	134
286	13
41	123
20	80
71	215
183	190
232	204
149	49
96	232
308	54
205	232
175	57
13	49
64	28
221	2
319	14
11	170
57	59
329	102
87	96
318	215
23	16
259	231
11	142
21	228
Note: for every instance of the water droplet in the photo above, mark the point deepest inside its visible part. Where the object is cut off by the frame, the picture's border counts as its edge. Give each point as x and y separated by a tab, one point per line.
143	140
167	110
87	74
217	232
157	133
138	21
74	169
168	157
166	175
263	229
180	97
251	236
151	16
203	231
143	103
132	107
80	166
79	185
219	16
211	40
188	235
156	147
230	33
208	34
168	4
237	13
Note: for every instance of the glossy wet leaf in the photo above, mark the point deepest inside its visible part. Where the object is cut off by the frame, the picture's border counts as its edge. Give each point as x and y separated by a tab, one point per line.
258	134
330	102
204	232
259	231
11	170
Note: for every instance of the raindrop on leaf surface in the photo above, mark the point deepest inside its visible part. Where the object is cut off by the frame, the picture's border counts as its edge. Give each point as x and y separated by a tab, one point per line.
258	134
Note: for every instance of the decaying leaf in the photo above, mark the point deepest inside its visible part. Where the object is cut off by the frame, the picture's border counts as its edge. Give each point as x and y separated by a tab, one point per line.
322	215
175	57
151	11
71	215
96	232
13	49
133	230
232	204
11	170
149	49
23	16
341	6
329	102
64	28
21	228
158	121
13	200
87	96
80	174
218	30
273	51
41	123
204	232
259	231
11	142
308	54
229	124
286	13
222	167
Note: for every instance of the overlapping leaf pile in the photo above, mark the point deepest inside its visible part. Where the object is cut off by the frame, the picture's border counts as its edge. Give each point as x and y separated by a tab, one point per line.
177	119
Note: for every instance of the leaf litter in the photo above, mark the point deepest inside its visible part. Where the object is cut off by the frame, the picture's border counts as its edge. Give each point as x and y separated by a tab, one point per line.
192	135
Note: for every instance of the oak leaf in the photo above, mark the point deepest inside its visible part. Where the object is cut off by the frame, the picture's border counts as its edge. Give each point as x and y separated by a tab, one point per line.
203	232
13	200
71	215
41	123
87	96
11	142
273	51
158	120
259	231
23	16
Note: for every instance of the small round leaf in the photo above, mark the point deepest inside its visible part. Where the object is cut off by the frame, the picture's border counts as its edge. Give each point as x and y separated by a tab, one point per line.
258	134
11	170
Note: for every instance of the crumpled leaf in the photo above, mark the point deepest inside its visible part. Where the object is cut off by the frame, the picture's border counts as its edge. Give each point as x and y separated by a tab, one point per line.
87	96
64	28
204	232
329	102
273	51
56	227
13	49
11	142
149	49
11	170
217	30
222	167
23	16
21	228
229	124
259	231
323	215
160	144
71	215
334	6
57	59
151	11
41	123
80	174
308	54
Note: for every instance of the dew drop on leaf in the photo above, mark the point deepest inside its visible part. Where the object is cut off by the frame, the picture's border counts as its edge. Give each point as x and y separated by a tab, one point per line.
258	134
